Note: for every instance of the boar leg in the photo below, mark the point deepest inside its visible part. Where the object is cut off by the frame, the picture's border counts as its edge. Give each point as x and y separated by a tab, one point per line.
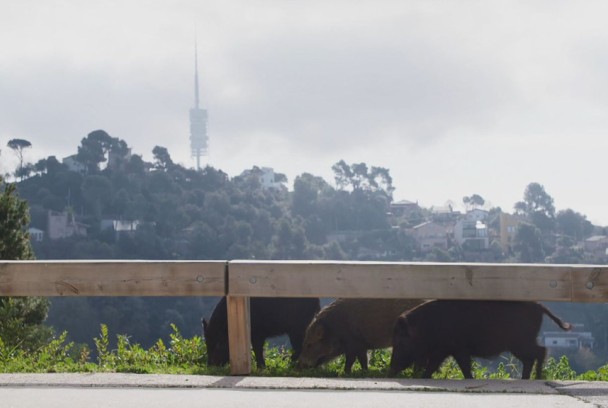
536	354
528	362
432	364
540	360
296	340
258	350
353	355
464	362
362	356
350	360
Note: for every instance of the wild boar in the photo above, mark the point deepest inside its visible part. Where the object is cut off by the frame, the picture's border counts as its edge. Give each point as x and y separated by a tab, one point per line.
429	333
351	327
269	317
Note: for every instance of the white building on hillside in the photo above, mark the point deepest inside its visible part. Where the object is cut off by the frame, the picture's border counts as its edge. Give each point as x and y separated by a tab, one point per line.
36	234
472	235
266	176
74	165
64	225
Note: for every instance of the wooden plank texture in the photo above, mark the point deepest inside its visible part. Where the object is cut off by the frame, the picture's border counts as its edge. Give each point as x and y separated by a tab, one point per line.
590	284
239	334
112	278
413	280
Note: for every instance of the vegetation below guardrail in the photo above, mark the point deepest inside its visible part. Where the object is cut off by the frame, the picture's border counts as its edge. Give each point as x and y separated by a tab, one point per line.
188	356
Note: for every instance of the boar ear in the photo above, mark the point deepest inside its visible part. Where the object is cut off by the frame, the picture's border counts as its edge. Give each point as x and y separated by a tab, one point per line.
205	324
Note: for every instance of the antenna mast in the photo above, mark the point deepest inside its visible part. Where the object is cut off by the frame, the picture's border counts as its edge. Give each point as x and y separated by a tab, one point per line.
198	120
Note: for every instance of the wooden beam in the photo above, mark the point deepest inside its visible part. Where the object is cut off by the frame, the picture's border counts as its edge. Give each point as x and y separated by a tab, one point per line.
419	280
239	335
112	278
590	284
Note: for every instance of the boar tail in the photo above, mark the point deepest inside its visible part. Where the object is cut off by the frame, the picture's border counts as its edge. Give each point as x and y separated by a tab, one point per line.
564	325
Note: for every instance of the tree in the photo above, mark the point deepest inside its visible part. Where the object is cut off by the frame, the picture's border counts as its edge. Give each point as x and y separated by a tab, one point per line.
380	179
358	177
41	166
20	318
342	174
280	178
53	166
573	224
474	201
24	171
162	159
14	218
97	192
306	191
18	145
91	150
538	207
136	165
528	244
289	242
566	252
94	149
119	147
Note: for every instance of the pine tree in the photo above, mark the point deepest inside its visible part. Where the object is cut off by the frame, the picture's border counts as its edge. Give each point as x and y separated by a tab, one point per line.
14	217
20	318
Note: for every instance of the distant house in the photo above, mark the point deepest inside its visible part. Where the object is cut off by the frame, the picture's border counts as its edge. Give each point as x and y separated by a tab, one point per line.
471	234
597	246
266	176
431	235
64	225
36	235
572	340
444	213
342	236
119	227
404	208
74	165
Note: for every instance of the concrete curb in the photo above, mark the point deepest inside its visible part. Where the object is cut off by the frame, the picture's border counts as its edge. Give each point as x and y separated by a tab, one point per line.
594	393
118	380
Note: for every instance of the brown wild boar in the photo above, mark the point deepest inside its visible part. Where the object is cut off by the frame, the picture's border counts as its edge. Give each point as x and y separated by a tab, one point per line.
351	327
270	317
429	333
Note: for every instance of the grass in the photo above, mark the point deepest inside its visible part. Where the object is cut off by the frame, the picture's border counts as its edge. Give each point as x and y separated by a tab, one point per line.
188	356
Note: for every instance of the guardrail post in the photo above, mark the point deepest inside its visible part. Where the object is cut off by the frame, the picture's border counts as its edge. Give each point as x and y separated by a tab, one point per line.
239	334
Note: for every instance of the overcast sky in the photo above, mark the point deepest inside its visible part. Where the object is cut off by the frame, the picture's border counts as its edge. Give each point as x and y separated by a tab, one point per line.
454	98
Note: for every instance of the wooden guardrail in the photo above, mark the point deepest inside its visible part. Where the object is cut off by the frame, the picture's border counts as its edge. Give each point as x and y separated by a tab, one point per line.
113	278
240	280
566	283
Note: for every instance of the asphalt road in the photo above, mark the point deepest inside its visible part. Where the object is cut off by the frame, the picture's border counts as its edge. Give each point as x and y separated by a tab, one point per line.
151	391
217	398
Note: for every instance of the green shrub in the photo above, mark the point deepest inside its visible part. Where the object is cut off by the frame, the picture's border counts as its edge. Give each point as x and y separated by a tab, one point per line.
188	356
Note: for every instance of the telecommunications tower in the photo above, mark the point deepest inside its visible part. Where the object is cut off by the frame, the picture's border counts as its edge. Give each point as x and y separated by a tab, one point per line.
198	121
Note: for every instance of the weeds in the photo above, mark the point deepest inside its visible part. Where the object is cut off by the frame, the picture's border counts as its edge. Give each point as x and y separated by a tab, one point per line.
188	356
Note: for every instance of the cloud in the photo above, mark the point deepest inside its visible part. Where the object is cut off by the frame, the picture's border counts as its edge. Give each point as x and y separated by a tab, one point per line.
479	92
333	87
